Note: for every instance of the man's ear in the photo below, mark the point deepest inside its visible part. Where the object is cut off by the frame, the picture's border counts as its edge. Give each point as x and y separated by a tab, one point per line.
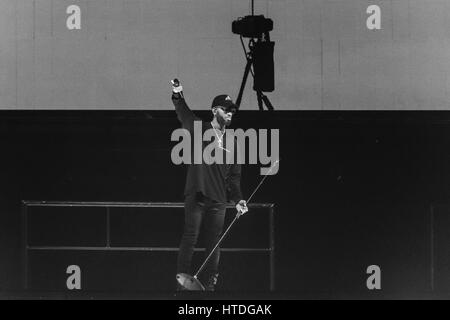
214	111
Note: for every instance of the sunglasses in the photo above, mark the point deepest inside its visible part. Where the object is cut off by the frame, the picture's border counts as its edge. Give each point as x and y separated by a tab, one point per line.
231	110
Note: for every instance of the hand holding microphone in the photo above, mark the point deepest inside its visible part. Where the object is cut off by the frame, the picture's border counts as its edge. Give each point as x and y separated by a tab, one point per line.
176	87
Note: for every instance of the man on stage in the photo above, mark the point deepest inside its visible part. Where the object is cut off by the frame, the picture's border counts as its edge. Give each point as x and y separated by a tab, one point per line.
208	186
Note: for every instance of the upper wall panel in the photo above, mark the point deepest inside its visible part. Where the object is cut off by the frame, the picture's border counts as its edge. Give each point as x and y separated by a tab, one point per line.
125	52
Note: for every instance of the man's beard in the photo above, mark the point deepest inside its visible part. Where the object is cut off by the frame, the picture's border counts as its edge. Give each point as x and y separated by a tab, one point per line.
223	121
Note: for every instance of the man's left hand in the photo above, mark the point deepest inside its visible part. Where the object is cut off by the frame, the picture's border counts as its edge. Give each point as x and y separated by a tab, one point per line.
241	207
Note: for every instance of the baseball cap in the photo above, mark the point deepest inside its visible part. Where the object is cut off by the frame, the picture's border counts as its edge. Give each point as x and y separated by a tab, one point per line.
224	101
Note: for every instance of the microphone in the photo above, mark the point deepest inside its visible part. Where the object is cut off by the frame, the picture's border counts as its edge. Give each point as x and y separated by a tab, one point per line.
175	82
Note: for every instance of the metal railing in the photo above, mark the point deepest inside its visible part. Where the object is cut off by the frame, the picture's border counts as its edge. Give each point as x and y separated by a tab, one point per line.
108	205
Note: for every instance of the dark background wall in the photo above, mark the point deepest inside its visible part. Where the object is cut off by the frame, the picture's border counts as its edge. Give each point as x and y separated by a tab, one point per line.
353	189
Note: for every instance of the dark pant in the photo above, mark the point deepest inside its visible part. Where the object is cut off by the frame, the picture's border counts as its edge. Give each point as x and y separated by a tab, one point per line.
196	209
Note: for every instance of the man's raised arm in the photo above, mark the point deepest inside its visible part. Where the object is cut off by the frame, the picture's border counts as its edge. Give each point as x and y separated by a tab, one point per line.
184	114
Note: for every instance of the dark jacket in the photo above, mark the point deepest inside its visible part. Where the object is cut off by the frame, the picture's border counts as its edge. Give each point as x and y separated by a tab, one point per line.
219	182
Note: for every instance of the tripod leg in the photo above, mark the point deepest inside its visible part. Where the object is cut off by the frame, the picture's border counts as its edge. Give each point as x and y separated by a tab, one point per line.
259	95
244	80
262	98
267	102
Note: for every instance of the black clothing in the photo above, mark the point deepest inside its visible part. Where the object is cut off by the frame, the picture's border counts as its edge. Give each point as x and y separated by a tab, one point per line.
198	209
219	182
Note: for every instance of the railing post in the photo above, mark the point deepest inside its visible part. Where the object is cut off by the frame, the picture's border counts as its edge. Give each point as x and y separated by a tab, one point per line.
108	228
24	245
432	247
272	248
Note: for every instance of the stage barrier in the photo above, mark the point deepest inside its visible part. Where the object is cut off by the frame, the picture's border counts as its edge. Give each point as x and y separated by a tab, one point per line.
121	246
